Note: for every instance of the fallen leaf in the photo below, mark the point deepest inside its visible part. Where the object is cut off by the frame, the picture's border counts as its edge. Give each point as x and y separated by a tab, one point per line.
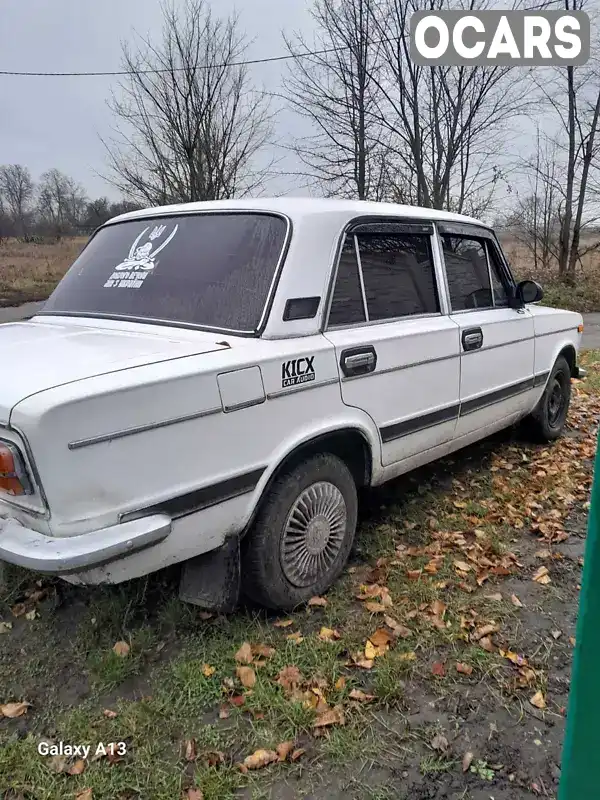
438	609
515	658
464	669
212	758
329	635
381	638
86	794
284	749
414	574
484	631
109	714
12	710
572	641
467	761
193	794
462	566
121	649
543	554
486	643
19	609
334	716
297	754
515	601
283	623
78	768
295	637
317	601
205	615
376	608
247	676
397	628
224	712
5	627
259	759
263	650
439	742
31	615
438	669
541	576
207	670
191	753
358	694
556	634
244	654
237	700
497	598
289	677
538	700
408	656
459	504
58	764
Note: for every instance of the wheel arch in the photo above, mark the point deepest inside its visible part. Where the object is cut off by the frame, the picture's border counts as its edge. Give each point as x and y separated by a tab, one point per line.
351	444
570	354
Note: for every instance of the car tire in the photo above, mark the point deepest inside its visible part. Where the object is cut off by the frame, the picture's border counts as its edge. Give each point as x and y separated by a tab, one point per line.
546	423
303	534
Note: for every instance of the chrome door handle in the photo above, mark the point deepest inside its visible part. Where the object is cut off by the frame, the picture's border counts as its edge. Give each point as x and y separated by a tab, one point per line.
472	339
358	361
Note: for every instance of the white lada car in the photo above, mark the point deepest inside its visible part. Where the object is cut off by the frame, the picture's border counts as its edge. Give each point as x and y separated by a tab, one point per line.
211	383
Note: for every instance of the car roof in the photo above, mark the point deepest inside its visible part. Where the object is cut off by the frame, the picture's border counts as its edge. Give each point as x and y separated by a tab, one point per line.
297	207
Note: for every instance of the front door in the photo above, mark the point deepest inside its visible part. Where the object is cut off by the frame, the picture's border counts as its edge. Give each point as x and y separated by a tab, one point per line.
497	342
398	355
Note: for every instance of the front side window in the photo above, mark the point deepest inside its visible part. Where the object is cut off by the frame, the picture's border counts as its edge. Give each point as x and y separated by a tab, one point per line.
475	275
206	270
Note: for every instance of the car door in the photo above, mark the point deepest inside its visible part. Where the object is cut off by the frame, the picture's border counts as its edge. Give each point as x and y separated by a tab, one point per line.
398	353
497	340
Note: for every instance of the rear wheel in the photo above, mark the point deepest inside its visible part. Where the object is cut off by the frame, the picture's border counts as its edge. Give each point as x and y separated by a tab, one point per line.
303	534
546	423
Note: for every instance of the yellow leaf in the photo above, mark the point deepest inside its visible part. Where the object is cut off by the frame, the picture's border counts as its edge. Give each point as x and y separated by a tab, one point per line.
247	676
376	608
284	749
317	601
541	576
329	634
295	637
283	623
121	649
340	684
538	700
409	656
12	710
260	758
381	638
334	716
207	670
244	654
357	694
370	651
460	504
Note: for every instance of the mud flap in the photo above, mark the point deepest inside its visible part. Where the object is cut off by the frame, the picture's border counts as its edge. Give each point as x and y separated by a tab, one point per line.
213	580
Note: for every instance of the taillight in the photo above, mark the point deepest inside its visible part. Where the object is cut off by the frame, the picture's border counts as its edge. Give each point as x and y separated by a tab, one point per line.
13	475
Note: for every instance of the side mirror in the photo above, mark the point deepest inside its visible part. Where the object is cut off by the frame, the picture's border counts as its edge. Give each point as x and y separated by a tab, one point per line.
529	292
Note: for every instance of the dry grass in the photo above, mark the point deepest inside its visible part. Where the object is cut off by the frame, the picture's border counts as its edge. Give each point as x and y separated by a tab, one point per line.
30	272
584	297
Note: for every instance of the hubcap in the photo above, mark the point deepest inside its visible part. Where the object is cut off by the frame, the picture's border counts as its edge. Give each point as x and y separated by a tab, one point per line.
556	402
313	534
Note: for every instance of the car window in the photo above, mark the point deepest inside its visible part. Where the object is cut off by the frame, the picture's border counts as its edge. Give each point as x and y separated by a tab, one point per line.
398	275
347	306
467	272
209	270
496	271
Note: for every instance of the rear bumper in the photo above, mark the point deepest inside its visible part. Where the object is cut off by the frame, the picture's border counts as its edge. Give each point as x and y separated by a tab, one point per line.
36	551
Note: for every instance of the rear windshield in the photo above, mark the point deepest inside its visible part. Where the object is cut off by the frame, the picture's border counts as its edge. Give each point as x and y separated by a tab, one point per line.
209	270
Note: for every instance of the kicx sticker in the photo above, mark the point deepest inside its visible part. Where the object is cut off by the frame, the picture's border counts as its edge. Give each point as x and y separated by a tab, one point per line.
297	371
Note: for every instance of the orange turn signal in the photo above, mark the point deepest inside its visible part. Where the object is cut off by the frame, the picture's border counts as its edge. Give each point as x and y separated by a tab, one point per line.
580	329
13	479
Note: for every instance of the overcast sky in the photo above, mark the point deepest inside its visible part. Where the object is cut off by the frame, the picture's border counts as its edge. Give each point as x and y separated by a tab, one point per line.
57	122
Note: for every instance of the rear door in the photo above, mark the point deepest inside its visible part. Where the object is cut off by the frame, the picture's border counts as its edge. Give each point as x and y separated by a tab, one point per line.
497	342
398	352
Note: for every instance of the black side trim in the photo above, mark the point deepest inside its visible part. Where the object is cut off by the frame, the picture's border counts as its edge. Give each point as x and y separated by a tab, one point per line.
203	498
495	397
301	308
415	424
540	379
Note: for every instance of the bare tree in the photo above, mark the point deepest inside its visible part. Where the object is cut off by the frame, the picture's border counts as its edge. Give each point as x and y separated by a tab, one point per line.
332	84
61	203
190	124
447	125
16	187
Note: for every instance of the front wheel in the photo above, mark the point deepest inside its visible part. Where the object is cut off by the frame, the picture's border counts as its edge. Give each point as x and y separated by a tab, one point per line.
303	534
546	423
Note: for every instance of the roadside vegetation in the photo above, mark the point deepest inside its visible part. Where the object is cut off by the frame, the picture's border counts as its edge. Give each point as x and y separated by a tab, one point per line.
438	666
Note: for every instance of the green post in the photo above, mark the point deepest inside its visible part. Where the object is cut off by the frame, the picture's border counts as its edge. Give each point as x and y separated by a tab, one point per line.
580	779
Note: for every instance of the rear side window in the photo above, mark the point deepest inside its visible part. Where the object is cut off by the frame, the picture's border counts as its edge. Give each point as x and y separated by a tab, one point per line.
398	275
396	272
207	270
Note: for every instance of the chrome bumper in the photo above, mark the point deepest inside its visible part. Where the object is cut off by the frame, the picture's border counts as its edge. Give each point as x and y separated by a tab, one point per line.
26	548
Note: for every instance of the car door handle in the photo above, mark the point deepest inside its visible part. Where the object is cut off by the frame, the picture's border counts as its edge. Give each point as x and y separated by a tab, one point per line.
358	361
472	339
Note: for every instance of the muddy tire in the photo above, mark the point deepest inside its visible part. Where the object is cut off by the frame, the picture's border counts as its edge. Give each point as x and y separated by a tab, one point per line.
303	534
546	423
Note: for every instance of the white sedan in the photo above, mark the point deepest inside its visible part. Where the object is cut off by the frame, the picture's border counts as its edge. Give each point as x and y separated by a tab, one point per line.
211	383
